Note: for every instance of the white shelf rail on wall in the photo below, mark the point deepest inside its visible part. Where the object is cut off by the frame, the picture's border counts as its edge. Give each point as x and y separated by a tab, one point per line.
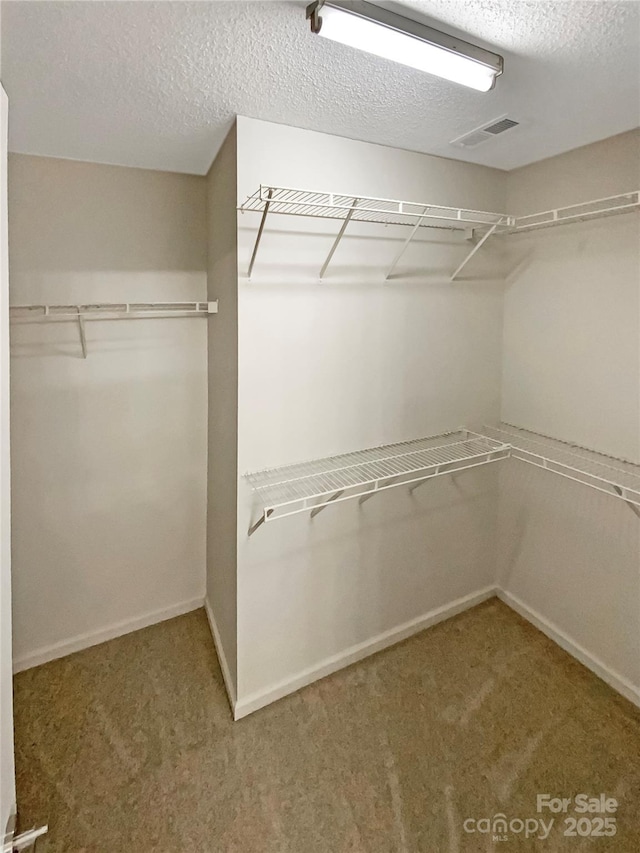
599	208
477	224
382	211
108	311
615	477
311	486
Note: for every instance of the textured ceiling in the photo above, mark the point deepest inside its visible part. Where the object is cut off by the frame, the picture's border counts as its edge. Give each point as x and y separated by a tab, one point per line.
156	84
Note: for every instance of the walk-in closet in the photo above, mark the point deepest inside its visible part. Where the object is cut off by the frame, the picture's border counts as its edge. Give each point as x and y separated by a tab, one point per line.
321	426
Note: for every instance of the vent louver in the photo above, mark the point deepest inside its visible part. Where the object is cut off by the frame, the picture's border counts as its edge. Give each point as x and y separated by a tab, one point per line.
485	132
501	126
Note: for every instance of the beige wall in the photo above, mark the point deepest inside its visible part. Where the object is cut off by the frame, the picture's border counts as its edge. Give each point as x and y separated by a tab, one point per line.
571	368
109	453
223	407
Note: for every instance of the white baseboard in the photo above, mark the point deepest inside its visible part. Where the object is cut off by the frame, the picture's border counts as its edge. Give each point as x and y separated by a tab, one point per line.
222	658
93	638
612	678
261	698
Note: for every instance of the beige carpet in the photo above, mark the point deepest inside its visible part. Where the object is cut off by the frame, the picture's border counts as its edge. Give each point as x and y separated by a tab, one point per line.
130	746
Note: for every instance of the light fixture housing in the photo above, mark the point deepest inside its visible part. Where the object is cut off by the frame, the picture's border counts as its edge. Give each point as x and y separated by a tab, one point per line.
391	36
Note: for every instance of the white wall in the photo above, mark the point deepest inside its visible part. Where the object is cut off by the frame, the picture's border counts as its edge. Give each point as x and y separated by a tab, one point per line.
350	363
572	309
7	767
568	554
223	408
108	454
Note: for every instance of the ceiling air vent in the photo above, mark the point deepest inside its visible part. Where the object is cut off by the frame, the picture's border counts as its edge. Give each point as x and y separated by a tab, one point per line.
487	131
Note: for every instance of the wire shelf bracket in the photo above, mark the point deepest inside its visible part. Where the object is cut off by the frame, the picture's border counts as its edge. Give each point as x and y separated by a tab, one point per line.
475	249
40	313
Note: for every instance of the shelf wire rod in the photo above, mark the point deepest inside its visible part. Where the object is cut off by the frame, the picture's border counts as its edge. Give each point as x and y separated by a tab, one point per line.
415	486
333	497
265	515
83	336
375	490
475	249
336	242
403	248
260	230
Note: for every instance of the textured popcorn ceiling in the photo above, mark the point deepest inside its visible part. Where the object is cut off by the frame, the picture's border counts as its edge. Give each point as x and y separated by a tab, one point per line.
156	84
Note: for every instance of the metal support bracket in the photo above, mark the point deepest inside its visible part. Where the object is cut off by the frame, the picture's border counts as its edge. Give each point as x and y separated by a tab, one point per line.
376	489
259	236
415	486
83	336
333	497
336	242
403	248
477	246
260	521
632	506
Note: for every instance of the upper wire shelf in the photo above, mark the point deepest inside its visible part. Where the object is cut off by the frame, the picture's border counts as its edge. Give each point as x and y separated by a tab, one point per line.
480	225
313	485
41	313
384	211
111	310
615	477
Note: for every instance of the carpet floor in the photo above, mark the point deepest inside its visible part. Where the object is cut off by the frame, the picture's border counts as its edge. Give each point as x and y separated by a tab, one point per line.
130	746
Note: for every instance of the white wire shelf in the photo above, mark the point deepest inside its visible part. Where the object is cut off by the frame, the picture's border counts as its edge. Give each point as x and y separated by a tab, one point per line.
383	211
602	207
614	477
111	311
481	225
40	313
310	486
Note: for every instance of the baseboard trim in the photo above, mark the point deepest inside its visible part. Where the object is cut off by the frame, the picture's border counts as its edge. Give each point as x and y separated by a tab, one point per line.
222	658
619	683
255	701
94	638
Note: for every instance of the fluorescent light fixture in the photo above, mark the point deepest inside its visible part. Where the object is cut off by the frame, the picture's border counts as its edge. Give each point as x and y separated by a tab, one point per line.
391	36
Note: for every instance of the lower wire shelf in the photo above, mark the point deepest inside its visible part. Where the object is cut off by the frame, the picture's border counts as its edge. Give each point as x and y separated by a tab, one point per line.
310	486
614	477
